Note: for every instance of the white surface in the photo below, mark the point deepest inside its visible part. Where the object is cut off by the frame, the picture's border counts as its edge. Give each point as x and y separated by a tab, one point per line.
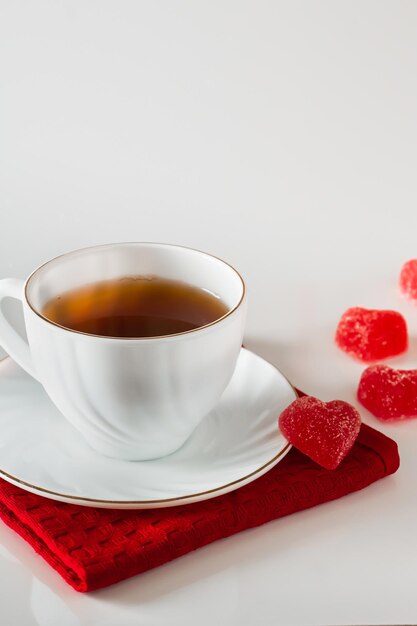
281	136
132	399
235	444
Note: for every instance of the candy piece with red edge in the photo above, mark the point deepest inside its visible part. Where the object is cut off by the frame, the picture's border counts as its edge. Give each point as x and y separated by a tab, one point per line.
324	431
387	393
372	334
408	279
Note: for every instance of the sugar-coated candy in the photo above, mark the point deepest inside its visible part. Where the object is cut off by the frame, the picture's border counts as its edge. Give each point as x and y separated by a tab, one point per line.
388	393
372	334
324	431
408	279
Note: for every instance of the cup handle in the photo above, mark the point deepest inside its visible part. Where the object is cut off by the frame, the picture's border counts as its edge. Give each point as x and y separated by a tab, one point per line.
10	339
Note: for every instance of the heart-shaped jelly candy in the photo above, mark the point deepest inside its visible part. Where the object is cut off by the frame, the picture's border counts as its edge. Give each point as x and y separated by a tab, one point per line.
389	393
324	431
408	279
371	334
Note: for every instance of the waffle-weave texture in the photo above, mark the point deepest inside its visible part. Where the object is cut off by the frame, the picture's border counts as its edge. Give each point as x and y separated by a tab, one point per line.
92	548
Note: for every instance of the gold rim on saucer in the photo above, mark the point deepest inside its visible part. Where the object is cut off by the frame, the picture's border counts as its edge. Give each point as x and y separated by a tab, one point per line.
163	501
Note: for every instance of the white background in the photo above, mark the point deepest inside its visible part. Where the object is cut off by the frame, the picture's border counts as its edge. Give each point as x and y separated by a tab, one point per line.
281	136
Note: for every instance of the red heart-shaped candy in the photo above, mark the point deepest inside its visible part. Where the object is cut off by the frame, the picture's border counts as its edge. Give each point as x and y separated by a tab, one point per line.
408	279
389	393
324	431
372	334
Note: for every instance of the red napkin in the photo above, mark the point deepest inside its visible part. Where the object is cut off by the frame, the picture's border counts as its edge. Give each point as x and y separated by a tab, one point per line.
93	548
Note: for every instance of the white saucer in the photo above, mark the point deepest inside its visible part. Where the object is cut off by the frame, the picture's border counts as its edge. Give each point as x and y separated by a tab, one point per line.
235	444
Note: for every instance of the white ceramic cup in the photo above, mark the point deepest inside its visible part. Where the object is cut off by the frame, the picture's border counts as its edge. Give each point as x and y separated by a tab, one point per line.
130	398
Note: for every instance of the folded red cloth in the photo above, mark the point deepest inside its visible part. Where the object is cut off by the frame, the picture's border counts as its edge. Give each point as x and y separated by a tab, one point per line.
93	548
